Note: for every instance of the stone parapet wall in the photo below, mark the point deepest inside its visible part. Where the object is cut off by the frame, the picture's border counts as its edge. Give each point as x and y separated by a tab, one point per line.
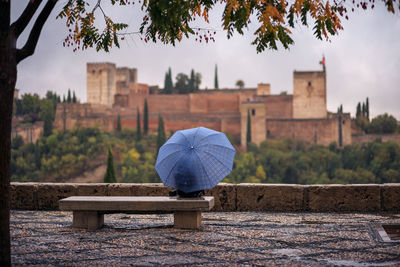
358	139
228	197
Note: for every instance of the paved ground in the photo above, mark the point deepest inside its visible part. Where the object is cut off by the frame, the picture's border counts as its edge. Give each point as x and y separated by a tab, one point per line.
230	239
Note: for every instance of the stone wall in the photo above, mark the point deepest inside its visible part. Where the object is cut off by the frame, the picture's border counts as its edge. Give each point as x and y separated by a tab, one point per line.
368	138
278	106
228	197
319	131
29	132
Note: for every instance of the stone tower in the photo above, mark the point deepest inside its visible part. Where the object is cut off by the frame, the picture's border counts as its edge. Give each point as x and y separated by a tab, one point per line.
126	78
101	83
309	94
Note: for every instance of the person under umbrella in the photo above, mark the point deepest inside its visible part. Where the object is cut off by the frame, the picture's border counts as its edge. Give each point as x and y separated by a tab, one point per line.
194	160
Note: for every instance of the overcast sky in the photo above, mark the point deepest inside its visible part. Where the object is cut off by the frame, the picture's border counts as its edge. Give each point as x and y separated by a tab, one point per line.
362	61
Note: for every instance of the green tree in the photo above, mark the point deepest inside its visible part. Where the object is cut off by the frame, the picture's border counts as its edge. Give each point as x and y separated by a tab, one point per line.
367	108
119	127
216	86
197	81
30	107
145	118
383	124
69	99
260	174
248	132
53	97
168	84
192	82
38	157
109	176
138	128
47	115
161	137
240	84
73	97
17	142
182	83
358	113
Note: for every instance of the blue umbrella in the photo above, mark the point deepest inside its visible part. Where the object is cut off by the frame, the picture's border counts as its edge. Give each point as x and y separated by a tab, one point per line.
195	159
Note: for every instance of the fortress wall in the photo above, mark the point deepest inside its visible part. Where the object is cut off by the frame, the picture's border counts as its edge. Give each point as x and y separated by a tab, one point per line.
218	102
368	138
28	132
346	128
231	126
175	125
320	131
198	103
228	197
166	103
278	106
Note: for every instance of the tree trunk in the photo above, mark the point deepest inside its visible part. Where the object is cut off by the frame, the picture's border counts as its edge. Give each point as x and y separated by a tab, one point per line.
8	74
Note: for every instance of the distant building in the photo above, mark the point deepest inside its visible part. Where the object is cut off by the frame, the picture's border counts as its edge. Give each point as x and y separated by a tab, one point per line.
302	116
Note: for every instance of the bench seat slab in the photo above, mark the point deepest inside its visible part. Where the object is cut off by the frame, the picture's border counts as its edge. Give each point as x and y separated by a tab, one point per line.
114	203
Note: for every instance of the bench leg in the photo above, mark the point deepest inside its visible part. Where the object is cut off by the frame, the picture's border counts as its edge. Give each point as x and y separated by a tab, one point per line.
87	219
187	219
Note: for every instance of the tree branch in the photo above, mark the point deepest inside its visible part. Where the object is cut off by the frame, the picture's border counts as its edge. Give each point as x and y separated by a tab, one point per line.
30	45
20	24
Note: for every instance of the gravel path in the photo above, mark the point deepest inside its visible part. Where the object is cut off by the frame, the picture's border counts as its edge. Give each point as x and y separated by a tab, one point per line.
225	239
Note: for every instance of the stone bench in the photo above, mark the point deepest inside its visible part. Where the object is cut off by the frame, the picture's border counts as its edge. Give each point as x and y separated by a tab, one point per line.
88	211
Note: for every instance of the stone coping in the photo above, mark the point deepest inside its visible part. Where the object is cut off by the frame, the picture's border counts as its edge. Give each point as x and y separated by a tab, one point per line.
228	197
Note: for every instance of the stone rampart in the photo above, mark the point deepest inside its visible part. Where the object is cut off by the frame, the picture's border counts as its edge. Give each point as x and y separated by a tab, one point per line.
228	197
358	139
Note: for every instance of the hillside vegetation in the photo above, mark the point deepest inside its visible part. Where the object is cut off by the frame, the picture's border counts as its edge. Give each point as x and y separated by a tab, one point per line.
62	156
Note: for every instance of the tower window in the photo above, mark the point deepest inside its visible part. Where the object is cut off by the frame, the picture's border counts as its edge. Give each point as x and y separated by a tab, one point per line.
253	112
309	83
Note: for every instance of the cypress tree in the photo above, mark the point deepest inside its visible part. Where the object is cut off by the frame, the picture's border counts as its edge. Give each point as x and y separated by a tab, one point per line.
358	114
192	82
170	83
37	156
69	96
165	82
248	134
109	177
216	77
47	126
367	108
63	99
363	110
145	118
73	97
119	127
161	137
138	130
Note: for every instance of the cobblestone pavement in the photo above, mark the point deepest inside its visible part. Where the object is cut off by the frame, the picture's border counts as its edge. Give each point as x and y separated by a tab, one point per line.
228	239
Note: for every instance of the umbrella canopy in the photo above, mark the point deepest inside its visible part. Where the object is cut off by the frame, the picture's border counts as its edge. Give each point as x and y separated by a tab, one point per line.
195	159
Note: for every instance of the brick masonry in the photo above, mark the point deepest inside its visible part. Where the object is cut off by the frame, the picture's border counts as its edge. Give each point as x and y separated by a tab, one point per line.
228	197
